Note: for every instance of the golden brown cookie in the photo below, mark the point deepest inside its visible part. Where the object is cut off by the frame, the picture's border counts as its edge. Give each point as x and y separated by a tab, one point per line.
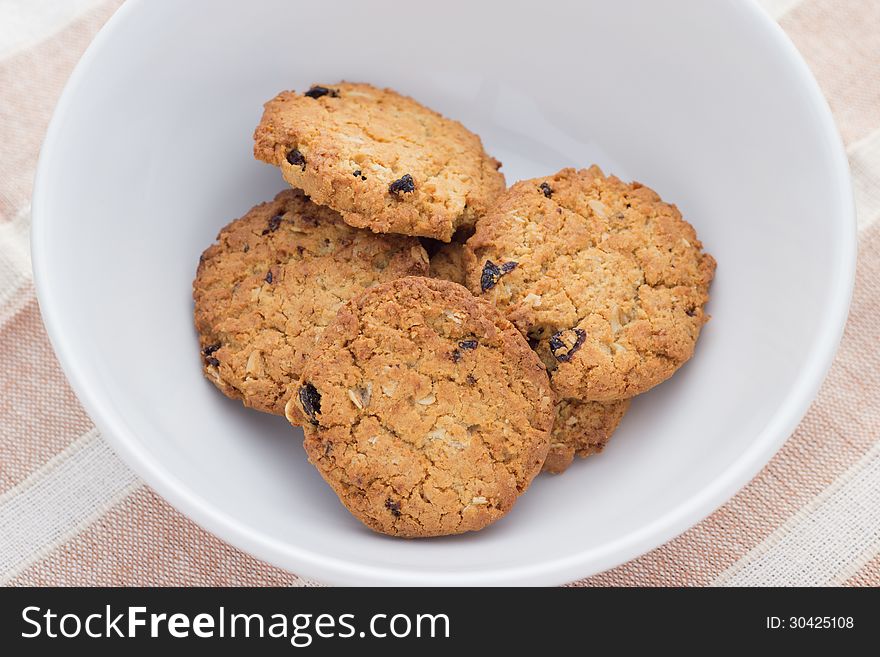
582	429
447	263
270	284
383	160
429	414
606	280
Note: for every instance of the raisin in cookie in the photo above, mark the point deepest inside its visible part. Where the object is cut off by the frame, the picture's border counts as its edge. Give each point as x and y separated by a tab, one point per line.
381	159
270	284
607	281
581	429
428	413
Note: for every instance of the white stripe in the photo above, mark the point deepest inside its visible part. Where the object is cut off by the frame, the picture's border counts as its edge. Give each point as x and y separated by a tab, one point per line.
864	162
24	23
778	8
57	501
15	254
833	536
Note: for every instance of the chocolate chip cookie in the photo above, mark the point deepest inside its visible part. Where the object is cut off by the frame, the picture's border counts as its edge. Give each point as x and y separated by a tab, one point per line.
607	281
428	413
381	159
270	284
581	429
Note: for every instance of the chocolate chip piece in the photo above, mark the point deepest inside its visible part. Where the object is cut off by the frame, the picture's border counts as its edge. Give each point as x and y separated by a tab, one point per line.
456	355
544	187
269	276
564	344
690	312
296	158
310	399
392	506
247	247
403	185
471	380
212	361
492	272
357	172
318	91
274	222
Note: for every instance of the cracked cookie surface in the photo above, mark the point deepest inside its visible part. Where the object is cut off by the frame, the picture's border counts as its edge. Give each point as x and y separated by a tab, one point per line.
381	159
447	263
581	429
606	280
265	290
429	414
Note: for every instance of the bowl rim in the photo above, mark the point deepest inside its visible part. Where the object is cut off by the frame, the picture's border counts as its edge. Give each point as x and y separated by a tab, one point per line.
581	564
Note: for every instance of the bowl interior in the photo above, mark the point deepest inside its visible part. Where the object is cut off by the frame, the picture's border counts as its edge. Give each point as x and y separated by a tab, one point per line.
150	154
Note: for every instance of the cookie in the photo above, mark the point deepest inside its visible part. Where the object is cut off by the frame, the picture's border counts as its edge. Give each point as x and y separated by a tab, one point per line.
270	284
428	413
383	160
582	429
607	281
447	263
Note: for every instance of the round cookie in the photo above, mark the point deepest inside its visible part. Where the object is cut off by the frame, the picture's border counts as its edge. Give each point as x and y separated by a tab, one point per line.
383	160
582	429
447	263
606	280
429	414
270	284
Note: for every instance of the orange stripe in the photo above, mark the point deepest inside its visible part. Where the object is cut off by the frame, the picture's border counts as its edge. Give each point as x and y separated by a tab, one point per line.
31	82
840	40
144	542
868	575
40	414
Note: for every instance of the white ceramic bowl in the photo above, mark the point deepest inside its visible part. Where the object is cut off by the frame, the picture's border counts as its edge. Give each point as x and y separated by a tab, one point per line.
149	154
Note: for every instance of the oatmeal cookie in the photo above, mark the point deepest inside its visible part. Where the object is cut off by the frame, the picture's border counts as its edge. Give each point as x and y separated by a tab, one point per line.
270	284
428	413
381	159
607	281
581	429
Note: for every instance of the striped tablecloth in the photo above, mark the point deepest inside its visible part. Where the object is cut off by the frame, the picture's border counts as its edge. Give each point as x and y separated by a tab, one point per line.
71	513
